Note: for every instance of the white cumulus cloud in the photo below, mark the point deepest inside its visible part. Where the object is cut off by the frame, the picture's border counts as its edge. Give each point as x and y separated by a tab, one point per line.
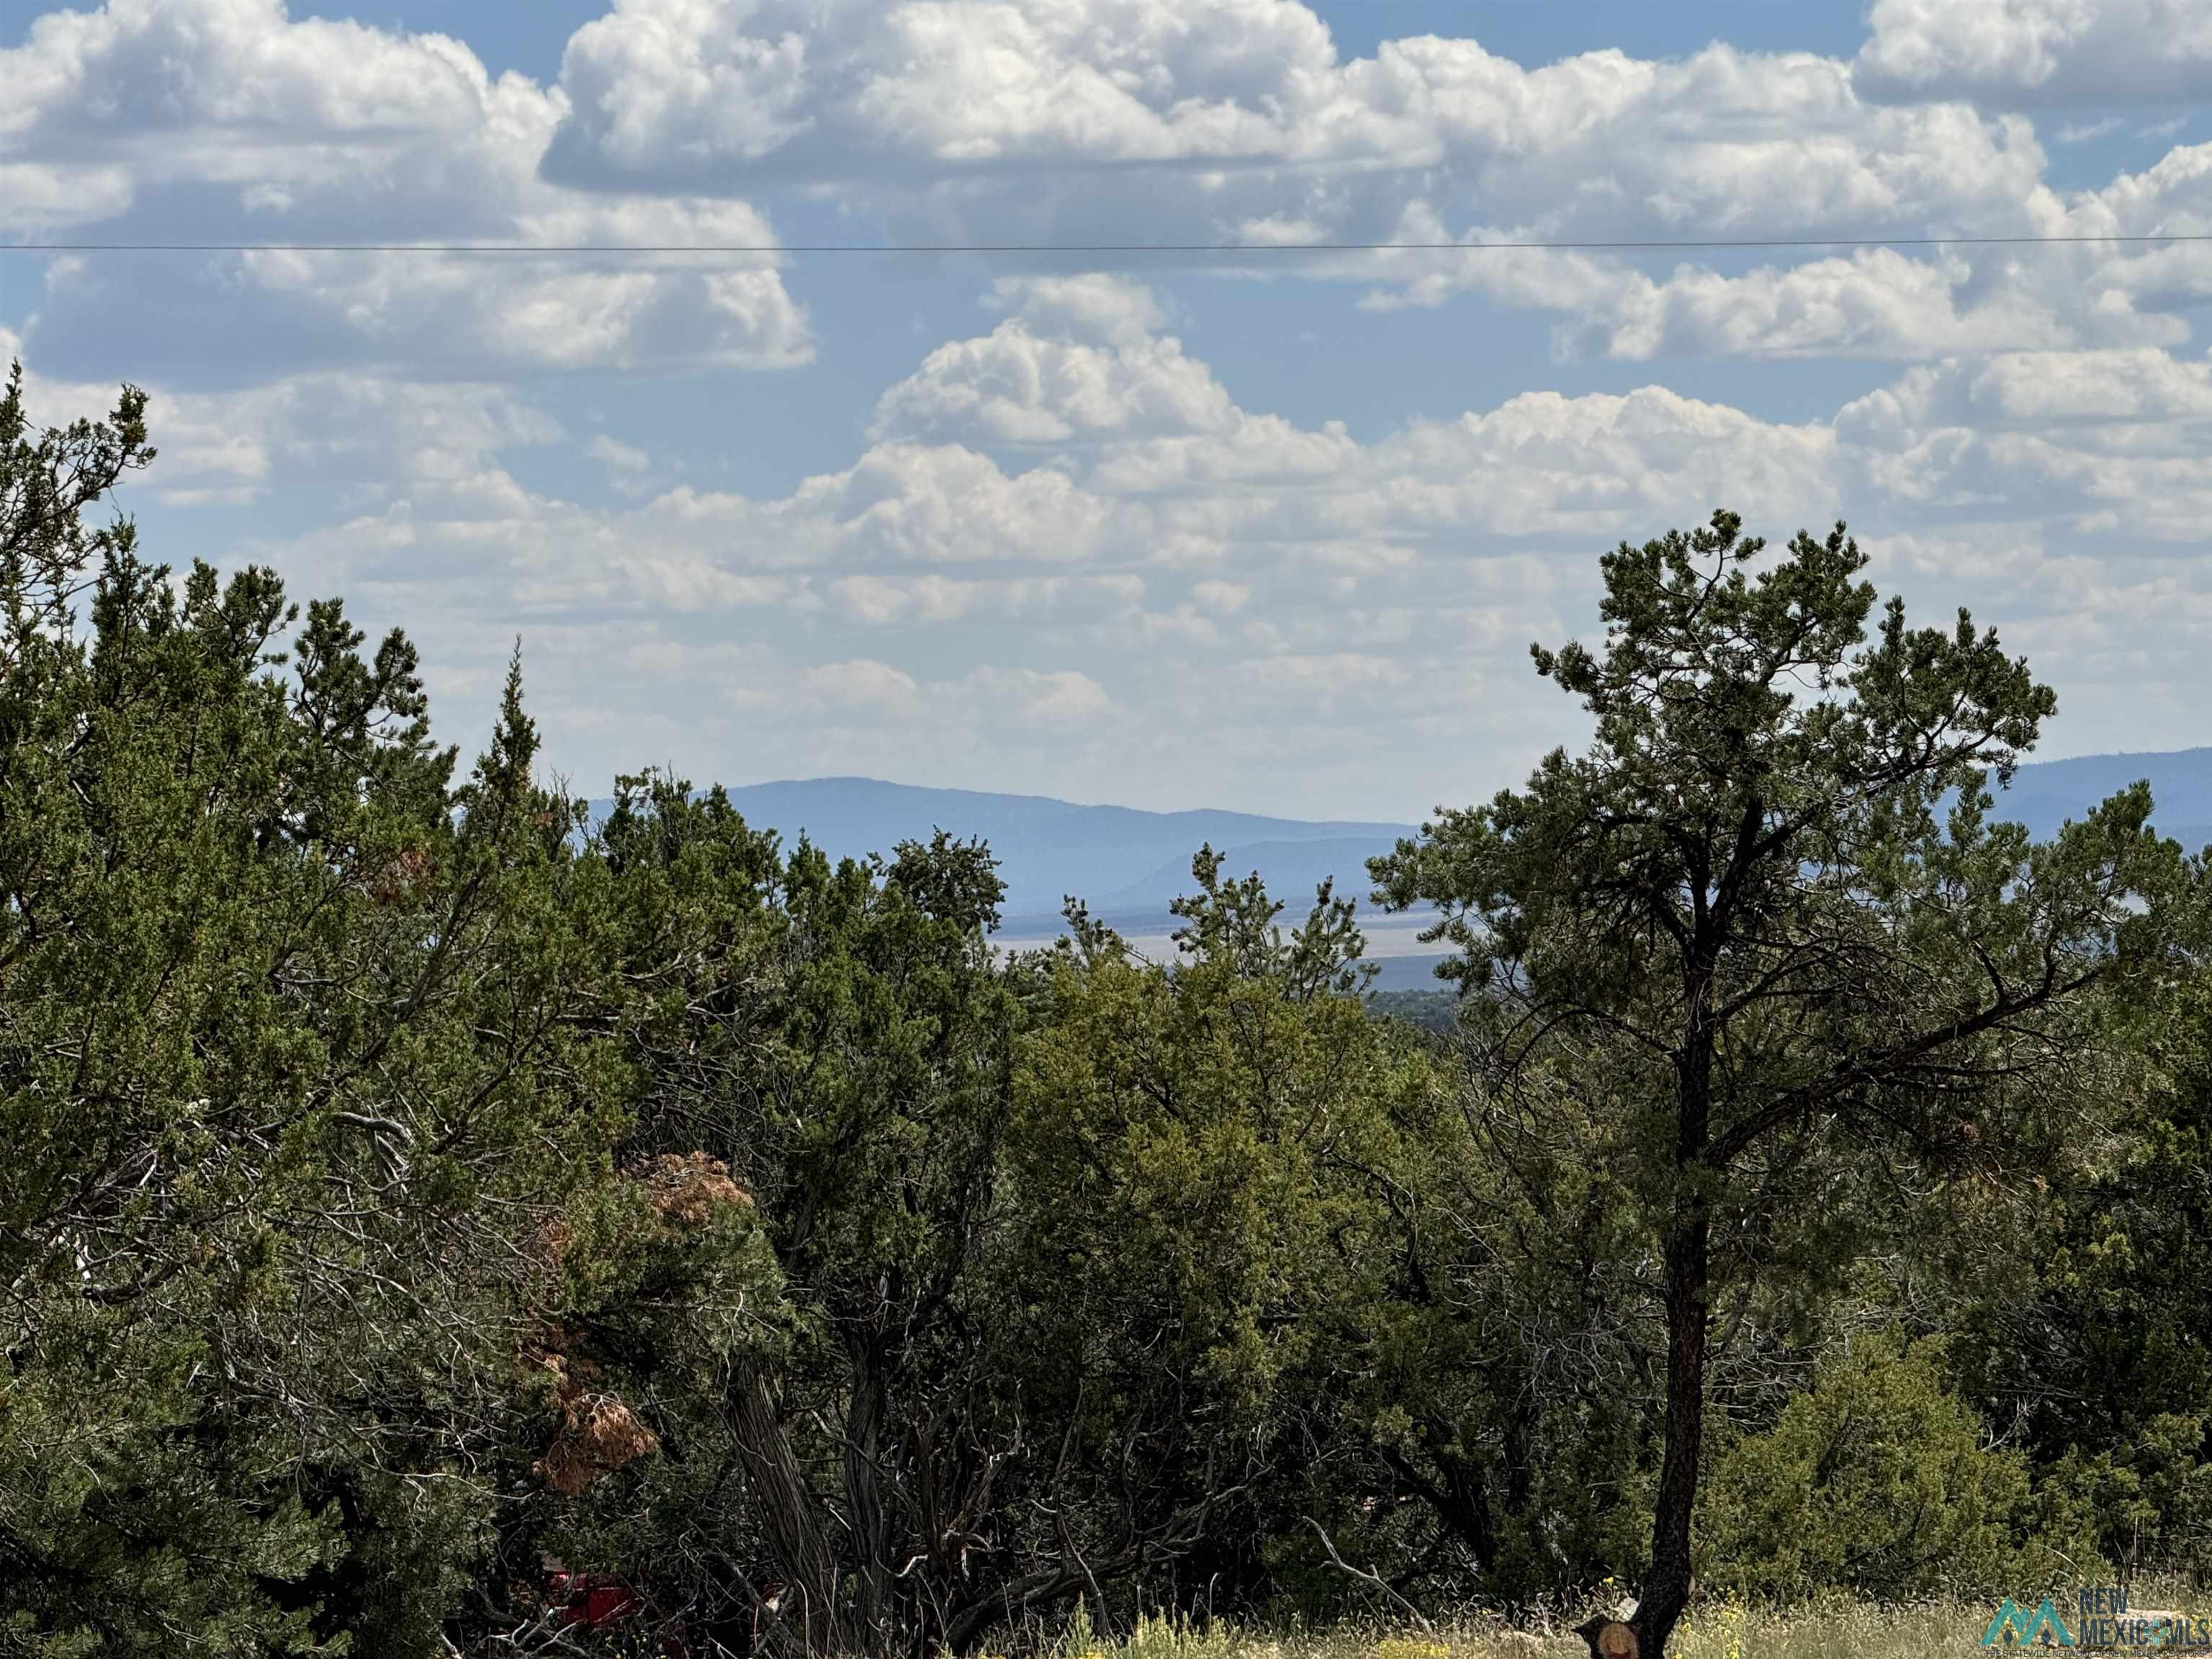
2018	53
230	121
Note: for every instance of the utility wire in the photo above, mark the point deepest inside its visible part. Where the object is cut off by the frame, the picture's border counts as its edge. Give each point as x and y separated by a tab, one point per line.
1211	248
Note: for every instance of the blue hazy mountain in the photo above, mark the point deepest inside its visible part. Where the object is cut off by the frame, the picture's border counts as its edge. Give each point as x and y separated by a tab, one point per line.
1127	864
1120	861
1293	869
2044	795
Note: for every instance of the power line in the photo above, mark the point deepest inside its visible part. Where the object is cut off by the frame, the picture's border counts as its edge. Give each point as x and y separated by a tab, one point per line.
1715	243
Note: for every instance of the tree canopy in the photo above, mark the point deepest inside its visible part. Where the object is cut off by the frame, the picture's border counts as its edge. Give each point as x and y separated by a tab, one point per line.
442	1216
1765	932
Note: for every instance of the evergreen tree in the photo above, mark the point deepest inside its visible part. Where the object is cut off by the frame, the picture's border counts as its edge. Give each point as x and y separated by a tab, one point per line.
293	1084
1766	920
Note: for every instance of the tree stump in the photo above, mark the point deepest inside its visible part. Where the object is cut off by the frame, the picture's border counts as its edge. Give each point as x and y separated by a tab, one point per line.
1610	1638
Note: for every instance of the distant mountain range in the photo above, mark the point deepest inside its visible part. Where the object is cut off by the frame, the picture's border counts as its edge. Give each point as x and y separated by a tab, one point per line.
1126	865
2044	795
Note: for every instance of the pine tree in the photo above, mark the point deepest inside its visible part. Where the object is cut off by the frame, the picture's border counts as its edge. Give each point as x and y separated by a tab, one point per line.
1766	919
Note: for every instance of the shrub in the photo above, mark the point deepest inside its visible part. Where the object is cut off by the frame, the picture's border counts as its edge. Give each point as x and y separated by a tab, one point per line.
1879	1480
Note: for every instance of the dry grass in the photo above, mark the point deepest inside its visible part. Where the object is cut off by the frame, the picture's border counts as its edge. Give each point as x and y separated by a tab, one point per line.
1713	1630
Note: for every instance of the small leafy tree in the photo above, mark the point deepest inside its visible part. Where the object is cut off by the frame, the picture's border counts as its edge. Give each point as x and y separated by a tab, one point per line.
1879	1480
1202	1163
839	1039
1492	1380
1766	921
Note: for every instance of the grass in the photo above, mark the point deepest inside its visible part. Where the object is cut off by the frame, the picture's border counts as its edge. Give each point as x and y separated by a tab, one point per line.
1713	1630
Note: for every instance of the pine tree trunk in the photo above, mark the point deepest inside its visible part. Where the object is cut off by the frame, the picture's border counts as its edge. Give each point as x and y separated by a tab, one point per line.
1667	1588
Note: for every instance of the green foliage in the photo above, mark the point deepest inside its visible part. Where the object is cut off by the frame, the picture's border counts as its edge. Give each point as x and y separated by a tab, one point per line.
1198	1164
2097	1352
1496	1388
840	1040
1879	1481
411	1184
290	1075
1424	1010
1763	928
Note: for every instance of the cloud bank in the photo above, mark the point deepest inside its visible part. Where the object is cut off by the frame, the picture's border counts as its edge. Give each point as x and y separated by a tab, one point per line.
1058	549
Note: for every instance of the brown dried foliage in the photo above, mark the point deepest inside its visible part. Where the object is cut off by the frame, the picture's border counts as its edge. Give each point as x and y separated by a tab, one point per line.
690	1186
599	1434
403	876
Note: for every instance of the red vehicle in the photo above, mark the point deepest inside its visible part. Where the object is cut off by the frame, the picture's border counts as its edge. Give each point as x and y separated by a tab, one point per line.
602	1603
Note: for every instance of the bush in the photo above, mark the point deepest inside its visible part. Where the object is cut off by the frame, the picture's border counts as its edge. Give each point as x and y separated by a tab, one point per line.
1879	1480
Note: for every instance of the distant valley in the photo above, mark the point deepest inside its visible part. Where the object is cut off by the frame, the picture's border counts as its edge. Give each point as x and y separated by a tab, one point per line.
1128	864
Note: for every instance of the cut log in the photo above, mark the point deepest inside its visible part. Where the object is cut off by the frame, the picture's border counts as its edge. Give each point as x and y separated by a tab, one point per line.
1610	1638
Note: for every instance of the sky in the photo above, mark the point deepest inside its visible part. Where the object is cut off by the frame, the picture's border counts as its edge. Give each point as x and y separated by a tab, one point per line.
1269	531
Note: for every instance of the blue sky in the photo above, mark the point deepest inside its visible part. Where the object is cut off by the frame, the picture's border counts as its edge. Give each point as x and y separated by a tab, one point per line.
1270	532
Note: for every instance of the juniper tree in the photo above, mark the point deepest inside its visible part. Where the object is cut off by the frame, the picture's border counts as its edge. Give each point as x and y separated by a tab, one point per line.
1767	922
298	1071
